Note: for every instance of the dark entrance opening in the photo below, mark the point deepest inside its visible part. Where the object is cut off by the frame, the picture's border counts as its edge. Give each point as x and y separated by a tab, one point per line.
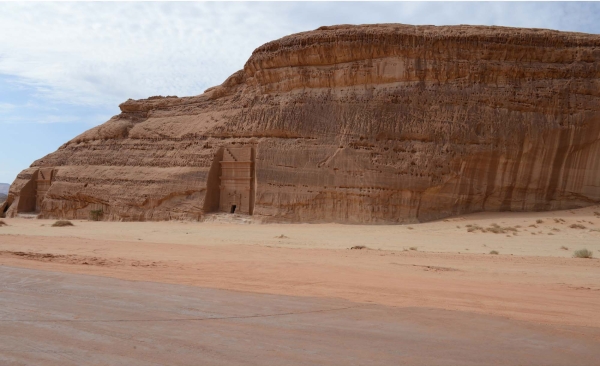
233	208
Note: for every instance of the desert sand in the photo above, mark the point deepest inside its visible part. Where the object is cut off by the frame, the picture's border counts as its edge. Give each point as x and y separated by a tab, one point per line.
52	318
411	290
436	265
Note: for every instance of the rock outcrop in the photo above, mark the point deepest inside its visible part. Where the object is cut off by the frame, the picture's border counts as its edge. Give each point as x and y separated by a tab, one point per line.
356	124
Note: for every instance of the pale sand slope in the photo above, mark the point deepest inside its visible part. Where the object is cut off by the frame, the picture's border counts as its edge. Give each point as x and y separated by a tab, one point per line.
447	236
532	279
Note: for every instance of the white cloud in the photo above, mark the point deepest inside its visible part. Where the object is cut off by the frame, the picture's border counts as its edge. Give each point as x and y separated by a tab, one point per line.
96	53
5	107
103	53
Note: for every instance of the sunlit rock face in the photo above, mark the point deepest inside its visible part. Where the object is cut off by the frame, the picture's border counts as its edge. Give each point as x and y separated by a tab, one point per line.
354	124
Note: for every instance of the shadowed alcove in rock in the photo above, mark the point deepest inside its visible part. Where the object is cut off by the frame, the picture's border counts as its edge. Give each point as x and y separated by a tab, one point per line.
230	184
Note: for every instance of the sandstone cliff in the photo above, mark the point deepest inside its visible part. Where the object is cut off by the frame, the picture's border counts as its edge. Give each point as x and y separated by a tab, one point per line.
356	124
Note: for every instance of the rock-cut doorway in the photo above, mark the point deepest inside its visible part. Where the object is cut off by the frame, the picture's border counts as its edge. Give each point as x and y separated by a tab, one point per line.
236	191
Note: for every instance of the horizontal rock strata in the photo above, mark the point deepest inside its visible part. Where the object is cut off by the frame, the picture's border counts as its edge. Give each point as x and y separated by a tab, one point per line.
355	124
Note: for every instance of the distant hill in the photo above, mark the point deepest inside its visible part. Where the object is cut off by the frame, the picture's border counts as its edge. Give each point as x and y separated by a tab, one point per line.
2	197
4	188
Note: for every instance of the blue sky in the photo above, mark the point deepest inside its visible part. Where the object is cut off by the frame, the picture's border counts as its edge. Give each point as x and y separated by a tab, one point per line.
65	67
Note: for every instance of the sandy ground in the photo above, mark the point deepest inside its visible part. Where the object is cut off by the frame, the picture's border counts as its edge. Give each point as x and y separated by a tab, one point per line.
51	318
438	266
447	236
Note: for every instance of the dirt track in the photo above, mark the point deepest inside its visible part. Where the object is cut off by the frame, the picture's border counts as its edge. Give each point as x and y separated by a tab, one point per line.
53	318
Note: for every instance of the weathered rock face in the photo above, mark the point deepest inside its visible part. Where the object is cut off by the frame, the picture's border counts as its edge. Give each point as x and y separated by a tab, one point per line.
355	124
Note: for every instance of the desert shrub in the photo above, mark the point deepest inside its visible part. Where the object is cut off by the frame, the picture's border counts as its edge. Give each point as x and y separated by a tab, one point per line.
62	223
583	253
413	248
564	248
473	228
576	226
494	228
96	215
497	229
539	221
410	228
281	237
494	252
359	247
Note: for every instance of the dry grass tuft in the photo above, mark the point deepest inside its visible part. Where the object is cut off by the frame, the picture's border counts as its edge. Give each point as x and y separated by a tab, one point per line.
413	248
583	253
494	228
281	237
494	252
539	221
359	247
62	223
576	226
564	248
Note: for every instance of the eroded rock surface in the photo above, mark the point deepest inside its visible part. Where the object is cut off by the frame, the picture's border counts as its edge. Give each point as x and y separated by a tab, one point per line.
356	124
